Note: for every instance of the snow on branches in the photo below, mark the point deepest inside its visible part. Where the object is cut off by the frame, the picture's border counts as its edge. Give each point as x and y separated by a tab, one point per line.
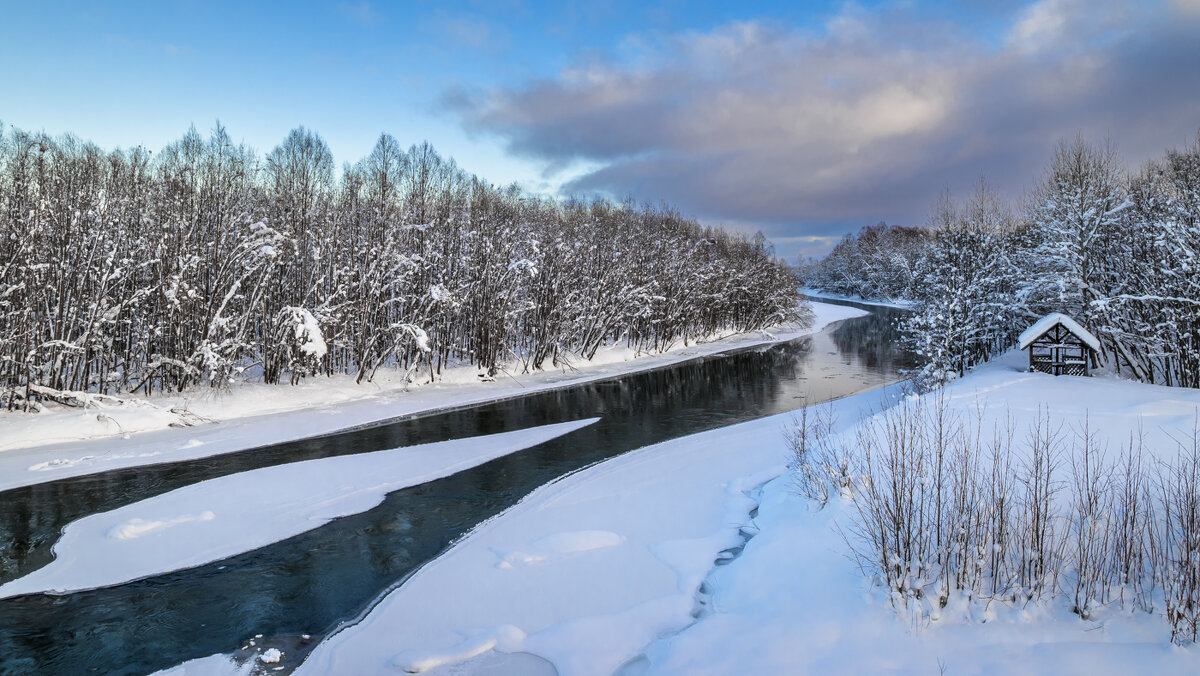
120	272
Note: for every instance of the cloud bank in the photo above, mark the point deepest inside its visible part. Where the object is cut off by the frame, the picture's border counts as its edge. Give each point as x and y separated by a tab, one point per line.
809	133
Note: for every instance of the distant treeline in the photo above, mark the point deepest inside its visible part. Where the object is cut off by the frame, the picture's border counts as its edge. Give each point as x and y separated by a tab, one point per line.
127	271
1119	252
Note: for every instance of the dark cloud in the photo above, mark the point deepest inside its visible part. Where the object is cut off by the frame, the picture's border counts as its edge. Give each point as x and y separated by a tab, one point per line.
802	133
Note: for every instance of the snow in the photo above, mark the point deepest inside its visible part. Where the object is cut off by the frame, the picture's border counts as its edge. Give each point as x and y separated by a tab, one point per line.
555	546
1050	321
64	442
506	638
646	594
584	572
215	519
213	665
307	332
897	303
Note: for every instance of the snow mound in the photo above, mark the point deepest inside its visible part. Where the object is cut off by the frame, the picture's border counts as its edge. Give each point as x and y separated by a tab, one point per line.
505	638
136	528
558	545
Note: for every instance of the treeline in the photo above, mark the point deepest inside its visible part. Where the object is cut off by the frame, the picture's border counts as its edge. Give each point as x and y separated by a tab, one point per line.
876	263
1120	252
131	272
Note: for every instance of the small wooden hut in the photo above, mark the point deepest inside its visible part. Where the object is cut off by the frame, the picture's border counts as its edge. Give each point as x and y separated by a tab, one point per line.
1058	345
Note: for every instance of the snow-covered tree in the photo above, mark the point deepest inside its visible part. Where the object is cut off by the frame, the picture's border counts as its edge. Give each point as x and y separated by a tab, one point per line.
126	272
1075	220
965	287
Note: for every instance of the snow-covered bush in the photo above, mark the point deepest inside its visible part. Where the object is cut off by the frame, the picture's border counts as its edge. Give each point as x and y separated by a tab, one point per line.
967	308
1176	548
819	464
299	345
941	509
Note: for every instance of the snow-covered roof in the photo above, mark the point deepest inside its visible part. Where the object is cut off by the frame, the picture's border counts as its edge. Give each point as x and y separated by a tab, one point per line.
1048	322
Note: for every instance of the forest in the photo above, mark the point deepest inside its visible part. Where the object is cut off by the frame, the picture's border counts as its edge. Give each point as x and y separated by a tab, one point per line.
202	264
1119	251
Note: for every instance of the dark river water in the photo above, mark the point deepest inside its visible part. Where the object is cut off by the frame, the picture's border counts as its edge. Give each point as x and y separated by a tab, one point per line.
307	584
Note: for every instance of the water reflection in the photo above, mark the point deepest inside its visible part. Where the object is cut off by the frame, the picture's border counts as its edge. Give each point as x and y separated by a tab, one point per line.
880	348
308	583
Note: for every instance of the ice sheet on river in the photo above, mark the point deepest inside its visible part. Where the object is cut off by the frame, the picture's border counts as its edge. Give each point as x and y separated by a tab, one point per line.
215	519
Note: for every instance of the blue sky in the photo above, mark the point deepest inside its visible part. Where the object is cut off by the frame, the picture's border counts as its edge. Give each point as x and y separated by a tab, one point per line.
140	73
805	120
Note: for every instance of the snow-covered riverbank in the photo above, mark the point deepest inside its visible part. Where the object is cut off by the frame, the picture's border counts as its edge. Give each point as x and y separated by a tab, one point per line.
613	568
898	304
70	442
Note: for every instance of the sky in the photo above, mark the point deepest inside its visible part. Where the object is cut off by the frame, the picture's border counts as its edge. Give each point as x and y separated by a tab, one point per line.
805	120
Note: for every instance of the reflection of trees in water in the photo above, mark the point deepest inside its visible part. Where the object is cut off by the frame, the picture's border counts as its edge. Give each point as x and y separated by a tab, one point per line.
309	582
875	339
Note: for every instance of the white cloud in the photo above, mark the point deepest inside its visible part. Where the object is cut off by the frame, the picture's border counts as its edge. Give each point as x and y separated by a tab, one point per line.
1186	7
1041	25
1058	25
867	120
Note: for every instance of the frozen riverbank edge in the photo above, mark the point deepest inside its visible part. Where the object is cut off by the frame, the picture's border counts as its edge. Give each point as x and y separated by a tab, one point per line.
817	295
69	442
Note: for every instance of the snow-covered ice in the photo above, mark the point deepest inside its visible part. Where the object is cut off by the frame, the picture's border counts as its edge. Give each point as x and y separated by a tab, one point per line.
213	665
71	442
215	519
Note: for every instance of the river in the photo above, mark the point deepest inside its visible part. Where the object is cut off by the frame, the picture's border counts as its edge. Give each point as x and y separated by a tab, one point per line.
307	584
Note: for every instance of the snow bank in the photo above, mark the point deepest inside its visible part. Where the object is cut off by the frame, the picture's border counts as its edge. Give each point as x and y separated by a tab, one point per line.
72	442
215	519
